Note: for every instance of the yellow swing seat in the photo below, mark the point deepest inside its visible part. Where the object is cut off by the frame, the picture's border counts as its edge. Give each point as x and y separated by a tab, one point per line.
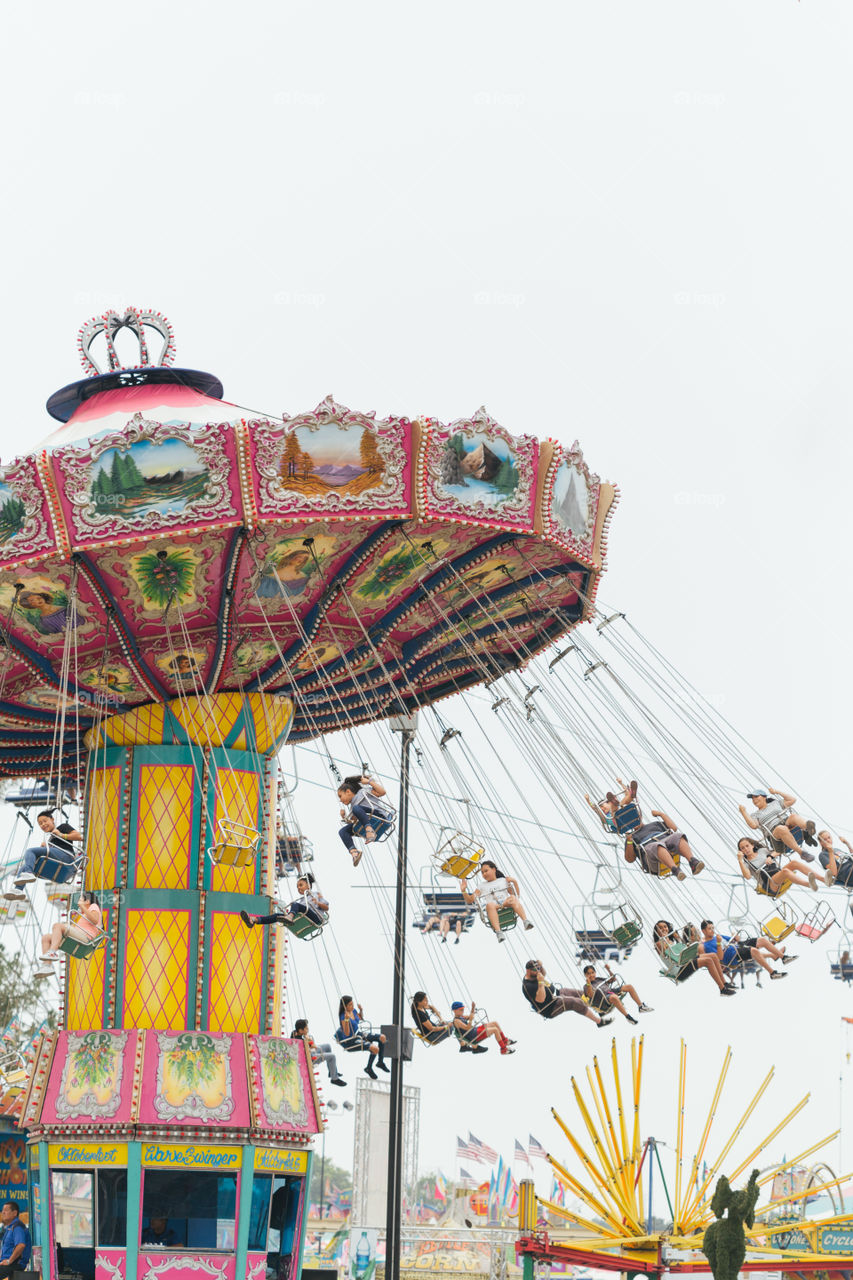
236	844
779	926
459	856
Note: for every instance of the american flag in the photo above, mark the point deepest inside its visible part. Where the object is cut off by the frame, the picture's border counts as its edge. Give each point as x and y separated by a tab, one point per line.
537	1151
466	1151
466	1179
520	1153
487	1154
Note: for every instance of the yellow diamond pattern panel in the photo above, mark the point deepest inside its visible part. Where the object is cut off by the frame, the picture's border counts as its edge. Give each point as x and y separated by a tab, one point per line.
237	794
235	986
140	727
85	990
165	825
208	721
156	969
272	716
103	828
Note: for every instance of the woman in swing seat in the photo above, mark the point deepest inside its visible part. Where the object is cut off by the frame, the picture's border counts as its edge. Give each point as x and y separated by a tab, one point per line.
498	891
350	1037
363	796
431	1027
665	936
838	869
310	903
757	863
86	928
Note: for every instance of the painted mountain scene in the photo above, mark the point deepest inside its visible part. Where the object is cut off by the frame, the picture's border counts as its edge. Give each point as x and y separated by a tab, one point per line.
331	460
145	477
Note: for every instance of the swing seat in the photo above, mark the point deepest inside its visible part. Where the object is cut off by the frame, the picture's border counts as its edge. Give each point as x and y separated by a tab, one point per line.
13	1070
294	849
302	926
625	935
596	944
459	856
236	844
382	827
627	818
82	948
507	919
767	893
59	894
677	957
437	1039
816	923
777	928
842	971
356	1043
57	871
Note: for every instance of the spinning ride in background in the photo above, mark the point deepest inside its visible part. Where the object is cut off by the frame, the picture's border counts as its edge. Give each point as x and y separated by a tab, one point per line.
183	585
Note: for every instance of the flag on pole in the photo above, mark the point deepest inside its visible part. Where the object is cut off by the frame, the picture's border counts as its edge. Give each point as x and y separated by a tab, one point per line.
521	1154
441	1187
464	1150
557	1193
487	1154
537	1151
466	1179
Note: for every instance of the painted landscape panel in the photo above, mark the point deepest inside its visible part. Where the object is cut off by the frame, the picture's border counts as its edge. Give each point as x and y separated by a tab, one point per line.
329	459
145	477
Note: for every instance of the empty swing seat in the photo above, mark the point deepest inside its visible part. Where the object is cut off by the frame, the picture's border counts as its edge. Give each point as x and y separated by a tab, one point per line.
459	856
816	923
625	935
236	844
596	944
844	972
779	926
293	849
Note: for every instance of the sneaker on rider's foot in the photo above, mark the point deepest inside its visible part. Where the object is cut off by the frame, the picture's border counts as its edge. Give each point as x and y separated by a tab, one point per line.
812	880
776	974
339	1080
645	1008
829	878
810	833
369	835
805	855
247	919
789	959
528	924
696	866
633	1021
605	1022
728	991
500	935
26	877
681	875
480	1048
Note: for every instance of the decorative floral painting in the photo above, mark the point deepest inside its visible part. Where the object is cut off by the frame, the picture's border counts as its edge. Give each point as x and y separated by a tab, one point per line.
404	563
253	656
165	575
193	1076
282	1088
91	1074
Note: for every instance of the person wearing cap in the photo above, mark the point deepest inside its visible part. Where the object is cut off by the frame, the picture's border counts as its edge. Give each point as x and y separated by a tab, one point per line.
470	1034
550	1001
431	1029
773	815
839	870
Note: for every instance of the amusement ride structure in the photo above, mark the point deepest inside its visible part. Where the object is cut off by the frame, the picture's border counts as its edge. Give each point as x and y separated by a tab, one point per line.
184	587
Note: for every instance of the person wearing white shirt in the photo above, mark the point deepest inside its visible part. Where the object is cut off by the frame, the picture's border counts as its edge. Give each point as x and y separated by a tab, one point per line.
496	891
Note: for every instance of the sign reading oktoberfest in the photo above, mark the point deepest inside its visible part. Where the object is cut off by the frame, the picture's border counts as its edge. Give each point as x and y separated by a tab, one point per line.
271	1160
106	1154
188	1156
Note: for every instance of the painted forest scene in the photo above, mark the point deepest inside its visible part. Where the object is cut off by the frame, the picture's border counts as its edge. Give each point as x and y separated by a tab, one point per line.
477	467
331	460
147	477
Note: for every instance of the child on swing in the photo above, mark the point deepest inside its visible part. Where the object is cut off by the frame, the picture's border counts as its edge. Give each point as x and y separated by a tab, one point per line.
362	795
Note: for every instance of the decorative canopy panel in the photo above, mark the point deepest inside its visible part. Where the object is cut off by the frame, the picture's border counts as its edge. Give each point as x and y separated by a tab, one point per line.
161	544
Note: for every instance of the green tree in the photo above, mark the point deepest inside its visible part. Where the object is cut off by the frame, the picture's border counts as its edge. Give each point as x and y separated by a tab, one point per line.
334	1176
21	1011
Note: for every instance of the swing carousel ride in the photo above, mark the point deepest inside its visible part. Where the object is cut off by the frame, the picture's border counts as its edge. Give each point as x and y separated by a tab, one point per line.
185	587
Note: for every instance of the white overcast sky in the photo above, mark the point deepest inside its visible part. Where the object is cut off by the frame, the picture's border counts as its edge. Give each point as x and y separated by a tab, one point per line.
626	223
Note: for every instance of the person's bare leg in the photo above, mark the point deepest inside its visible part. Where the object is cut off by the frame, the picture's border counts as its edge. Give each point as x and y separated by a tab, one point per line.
632	992
783	834
493	917
714	970
759	959
786	877
513	902
776	953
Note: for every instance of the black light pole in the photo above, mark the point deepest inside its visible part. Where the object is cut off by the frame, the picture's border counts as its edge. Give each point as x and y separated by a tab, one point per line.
404	725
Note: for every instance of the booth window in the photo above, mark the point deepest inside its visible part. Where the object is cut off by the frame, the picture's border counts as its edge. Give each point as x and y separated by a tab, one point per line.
188	1210
73	1194
88	1206
112	1208
274	1215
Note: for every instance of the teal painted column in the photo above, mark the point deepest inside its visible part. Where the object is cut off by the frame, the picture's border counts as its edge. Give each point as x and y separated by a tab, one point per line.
244	1210
134	1207
527	1267
303	1220
45	1235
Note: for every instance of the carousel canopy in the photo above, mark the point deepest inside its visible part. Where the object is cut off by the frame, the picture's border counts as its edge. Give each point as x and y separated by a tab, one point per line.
161	542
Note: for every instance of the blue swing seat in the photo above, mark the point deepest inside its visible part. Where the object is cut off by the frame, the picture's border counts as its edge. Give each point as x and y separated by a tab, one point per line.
627	818
382	827
58	871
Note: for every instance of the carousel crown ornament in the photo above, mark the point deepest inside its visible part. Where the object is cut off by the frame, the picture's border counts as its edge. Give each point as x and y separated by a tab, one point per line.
137	320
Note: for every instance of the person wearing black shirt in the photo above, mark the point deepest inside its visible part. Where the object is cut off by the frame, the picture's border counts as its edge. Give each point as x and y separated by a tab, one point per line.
549	1001
431	1029
59	841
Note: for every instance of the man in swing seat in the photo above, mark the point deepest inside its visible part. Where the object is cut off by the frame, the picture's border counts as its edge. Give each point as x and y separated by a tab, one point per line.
58	844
